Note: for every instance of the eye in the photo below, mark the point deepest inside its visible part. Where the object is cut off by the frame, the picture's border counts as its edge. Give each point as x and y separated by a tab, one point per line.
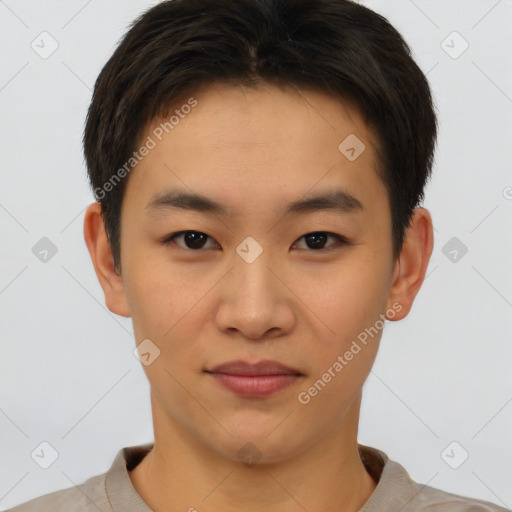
317	240
192	239
196	240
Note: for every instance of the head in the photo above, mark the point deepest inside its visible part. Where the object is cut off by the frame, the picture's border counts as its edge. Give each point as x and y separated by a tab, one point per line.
260	107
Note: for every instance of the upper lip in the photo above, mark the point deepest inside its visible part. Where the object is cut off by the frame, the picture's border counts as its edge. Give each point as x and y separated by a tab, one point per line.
265	367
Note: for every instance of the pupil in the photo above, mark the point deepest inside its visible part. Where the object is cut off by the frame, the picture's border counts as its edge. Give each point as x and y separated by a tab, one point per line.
316	242
194	240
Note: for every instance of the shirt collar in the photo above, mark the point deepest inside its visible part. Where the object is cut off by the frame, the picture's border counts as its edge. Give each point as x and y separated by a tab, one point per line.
123	497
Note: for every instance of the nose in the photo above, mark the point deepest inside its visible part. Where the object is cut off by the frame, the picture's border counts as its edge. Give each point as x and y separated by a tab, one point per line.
254	301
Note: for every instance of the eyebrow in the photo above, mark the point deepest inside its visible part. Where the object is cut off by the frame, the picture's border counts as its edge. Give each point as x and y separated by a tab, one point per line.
336	200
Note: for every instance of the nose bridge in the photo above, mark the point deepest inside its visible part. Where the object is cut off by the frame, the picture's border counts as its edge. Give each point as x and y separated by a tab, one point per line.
253	300
251	270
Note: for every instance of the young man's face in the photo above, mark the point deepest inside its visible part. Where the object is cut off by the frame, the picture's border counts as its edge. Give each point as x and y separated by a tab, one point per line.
210	297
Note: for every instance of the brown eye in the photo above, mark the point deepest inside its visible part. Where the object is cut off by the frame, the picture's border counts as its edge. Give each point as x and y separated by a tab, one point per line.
193	240
317	241
196	240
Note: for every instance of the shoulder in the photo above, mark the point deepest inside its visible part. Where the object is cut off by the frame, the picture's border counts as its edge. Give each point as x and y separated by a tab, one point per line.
431	499
86	497
397	491
104	492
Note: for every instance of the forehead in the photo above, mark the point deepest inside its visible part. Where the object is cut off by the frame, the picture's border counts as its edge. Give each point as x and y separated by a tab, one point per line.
248	146
270	113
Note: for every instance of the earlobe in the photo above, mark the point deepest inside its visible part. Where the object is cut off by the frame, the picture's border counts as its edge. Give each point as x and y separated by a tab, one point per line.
101	255
411	267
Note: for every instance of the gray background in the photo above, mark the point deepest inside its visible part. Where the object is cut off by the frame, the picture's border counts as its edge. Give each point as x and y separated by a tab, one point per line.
68	374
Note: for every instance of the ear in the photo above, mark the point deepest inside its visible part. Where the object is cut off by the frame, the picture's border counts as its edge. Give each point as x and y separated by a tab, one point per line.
103	262
411	266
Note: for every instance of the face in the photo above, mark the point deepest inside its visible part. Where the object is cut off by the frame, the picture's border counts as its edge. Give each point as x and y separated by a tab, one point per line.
257	279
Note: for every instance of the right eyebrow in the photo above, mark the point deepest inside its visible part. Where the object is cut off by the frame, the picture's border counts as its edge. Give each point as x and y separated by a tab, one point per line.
176	199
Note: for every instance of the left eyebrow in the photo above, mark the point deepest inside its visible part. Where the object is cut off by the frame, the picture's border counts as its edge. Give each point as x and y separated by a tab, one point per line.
336	200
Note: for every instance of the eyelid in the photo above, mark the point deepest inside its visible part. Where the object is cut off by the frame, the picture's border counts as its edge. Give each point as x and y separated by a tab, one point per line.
170	239
342	240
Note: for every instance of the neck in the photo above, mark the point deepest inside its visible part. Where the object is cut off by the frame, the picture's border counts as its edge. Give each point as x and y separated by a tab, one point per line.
328	476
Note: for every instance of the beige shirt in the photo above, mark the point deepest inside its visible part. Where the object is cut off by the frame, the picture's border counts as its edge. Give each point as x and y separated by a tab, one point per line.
113	491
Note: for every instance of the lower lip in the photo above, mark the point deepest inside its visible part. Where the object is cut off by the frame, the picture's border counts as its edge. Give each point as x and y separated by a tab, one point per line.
255	385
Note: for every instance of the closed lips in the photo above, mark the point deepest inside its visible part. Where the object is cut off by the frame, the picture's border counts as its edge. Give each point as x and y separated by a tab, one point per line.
256	369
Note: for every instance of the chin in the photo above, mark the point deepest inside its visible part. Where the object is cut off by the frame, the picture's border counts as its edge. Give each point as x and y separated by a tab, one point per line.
252	446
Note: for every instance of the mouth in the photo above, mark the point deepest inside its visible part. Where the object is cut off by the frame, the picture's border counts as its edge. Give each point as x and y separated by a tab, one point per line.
255	380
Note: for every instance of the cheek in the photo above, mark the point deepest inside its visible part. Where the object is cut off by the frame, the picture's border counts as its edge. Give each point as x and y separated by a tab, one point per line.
348	339
343	298
168	307
155	296
349	304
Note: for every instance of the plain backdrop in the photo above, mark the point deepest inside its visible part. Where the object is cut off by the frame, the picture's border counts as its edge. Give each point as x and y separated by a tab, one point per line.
441	387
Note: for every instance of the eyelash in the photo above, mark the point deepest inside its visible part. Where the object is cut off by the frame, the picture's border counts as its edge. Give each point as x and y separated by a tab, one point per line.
341	240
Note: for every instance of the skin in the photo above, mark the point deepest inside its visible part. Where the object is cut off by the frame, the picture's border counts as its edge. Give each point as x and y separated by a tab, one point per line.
254	149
